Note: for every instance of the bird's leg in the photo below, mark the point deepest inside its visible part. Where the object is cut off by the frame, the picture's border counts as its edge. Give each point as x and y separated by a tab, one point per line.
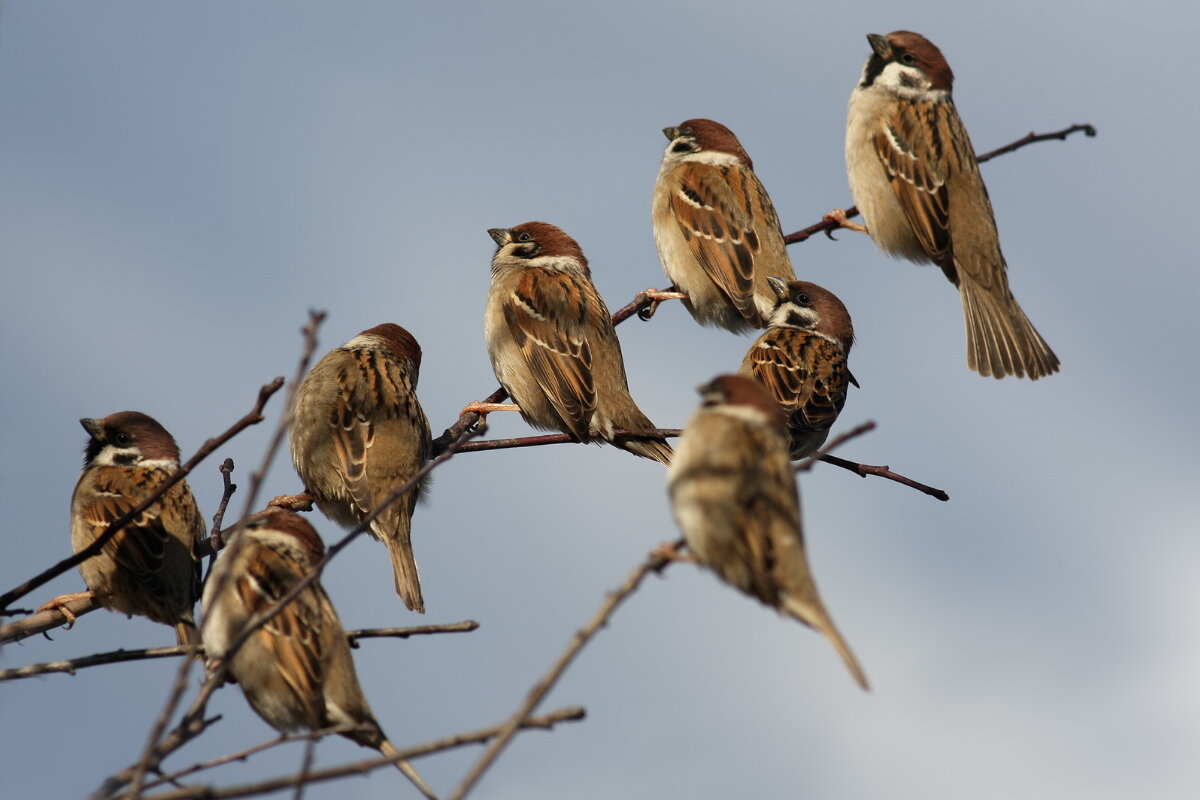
670	551
654	297
483	409
838	216
59	604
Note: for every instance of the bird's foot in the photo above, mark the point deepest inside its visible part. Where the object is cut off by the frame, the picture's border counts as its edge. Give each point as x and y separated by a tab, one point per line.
59	604
652	297
839	218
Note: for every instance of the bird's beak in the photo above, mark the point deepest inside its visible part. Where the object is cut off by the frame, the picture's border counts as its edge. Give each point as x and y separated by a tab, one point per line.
881	46
501	236
779	286
94	428
672	133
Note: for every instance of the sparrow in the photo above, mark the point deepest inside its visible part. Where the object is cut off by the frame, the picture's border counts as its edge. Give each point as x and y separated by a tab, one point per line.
295	670
358	433
915	179
717	234
150	567
735	499
552	343
801	360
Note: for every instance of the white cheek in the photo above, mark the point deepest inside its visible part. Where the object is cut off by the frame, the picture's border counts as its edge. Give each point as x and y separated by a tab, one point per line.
907	82
710	157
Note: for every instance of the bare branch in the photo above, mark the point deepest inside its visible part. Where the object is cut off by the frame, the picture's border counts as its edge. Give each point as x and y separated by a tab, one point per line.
828	226
254	417
545	722
863	470
215	541
653	563
466	626
69	666
560	438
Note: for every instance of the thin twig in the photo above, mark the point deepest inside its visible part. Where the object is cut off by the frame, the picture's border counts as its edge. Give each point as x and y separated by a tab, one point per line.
242	755
215	541
804	465
310	750
863	470
70	666
466	626
254	417
160	724
828	226
545	722
559	438
653	563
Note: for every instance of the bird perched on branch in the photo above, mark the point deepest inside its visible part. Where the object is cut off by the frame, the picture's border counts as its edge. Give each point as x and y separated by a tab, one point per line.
915	179
295	669
801	360
734	496
358	433
552	343
149	567
717	233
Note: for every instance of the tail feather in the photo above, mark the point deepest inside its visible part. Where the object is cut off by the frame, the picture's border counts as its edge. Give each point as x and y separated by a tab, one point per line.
1000	338
815	616
404	568
648	448
389	750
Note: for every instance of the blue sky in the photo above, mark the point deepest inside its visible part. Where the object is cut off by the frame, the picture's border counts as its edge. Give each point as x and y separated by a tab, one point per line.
180	183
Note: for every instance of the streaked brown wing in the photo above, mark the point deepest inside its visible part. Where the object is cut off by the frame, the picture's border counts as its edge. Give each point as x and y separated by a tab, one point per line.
915	154
291	637
805	373
139	549
548	315
712	207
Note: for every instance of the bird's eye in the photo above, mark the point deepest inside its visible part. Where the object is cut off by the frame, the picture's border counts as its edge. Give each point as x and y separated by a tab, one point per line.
122	439
908	58
803	299
524	237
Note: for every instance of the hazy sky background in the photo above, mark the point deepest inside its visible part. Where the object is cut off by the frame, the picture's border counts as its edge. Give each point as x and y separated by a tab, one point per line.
181	182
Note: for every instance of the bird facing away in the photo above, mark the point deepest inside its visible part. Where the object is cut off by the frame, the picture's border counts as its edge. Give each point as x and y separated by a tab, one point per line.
358	434
734	496
295	670
717	233
914	177
149	567
552	343
801	361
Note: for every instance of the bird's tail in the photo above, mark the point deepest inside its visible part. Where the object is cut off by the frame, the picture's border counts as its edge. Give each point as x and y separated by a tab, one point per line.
187	633
389	750
815	616
404	568
1000	338
644	446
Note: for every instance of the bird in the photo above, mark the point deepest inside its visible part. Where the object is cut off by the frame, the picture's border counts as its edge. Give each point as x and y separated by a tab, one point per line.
150	567
801	360
914	177
717	233
295	670
552	344
734	496
358	433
